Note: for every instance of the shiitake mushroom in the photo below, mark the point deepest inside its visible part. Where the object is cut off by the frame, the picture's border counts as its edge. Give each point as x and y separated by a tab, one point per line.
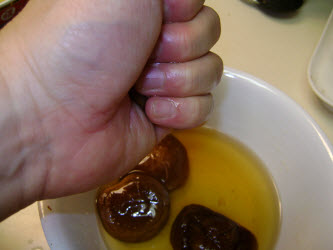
168	163
134	209
198	227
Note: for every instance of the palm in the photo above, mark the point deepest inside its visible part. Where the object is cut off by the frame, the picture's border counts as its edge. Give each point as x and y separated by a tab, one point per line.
84	156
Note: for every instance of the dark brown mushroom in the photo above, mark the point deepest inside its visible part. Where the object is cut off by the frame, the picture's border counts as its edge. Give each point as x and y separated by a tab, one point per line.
198	227
134	209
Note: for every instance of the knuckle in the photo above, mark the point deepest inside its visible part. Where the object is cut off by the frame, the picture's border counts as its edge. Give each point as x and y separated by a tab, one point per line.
176	83
199	106
214	21
207	107
187	38
202	108
193	114
210	107
216	67
219	66
189	78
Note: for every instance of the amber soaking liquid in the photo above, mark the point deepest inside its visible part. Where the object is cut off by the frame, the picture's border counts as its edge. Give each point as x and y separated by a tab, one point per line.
225	177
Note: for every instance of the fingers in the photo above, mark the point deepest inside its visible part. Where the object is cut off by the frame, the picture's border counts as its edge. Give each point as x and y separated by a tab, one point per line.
186	41
181	11
179	113
179	93
197	77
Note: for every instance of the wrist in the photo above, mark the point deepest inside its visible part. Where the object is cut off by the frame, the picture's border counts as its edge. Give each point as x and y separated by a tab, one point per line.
12	162
21	178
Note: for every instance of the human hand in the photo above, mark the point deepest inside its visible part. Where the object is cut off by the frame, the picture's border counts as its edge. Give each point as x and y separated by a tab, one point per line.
66	69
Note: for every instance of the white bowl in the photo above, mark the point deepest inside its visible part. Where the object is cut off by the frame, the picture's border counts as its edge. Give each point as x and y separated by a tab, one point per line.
294	149
320	71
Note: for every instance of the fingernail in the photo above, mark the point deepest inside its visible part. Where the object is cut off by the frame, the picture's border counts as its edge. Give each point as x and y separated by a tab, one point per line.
163	109
154	79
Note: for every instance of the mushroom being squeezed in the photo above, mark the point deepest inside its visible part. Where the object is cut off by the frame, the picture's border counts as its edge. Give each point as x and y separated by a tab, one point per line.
168	163
134	209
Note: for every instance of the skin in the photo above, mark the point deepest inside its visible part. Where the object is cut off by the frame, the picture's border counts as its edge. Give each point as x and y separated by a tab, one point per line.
67	123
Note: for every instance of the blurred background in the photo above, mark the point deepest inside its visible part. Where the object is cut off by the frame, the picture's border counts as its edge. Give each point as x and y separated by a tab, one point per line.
276	48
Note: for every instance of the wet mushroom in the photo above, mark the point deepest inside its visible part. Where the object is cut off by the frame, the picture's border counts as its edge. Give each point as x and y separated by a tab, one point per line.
134	209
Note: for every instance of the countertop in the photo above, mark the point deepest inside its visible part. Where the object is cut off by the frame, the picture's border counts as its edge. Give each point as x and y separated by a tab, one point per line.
276	49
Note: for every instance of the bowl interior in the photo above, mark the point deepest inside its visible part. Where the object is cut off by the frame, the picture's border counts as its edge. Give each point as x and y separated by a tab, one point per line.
293	148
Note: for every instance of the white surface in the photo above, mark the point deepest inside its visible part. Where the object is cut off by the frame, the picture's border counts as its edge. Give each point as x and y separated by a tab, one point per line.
293	148
321	66
70	223
277	50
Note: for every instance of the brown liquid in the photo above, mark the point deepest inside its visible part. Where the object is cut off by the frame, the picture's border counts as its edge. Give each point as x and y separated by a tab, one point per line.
225	177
